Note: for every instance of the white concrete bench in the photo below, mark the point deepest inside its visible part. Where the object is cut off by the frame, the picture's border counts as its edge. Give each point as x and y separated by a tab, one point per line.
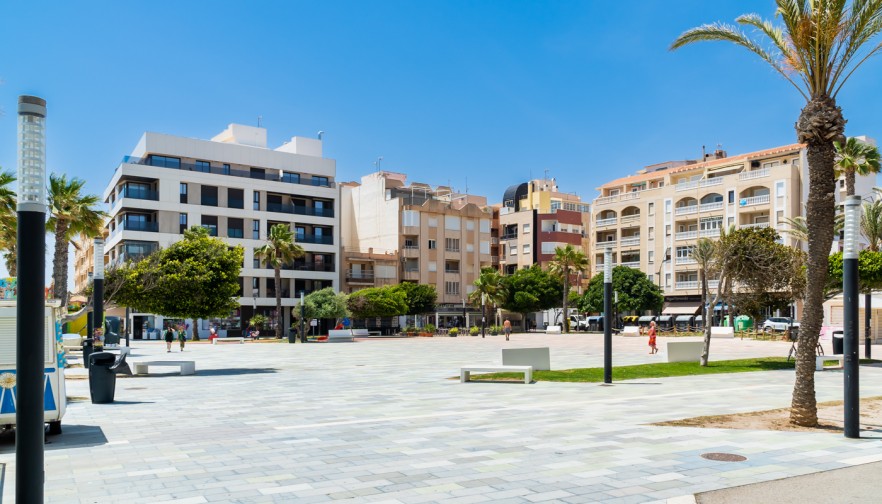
819	361
340	335
684	351
227	339
552	329
722	332
375	333
360	333
142	367
630	330
466	372
537	358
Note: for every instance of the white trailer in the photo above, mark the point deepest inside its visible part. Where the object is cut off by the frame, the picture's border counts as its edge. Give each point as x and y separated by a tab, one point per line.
54	397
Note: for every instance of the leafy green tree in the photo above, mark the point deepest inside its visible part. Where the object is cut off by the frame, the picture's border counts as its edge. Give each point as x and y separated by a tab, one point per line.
818	48
869	271
855	158
531	289
326	304
420	298
387	301
567	261
492	286
279	249
197	277
71	213
637	292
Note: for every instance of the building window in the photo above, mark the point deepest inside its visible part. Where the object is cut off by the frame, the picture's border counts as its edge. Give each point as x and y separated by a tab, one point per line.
470	247
513	250
667	280
411	243
203	166
410	218
668	230
526	228
209	196
451	223
226	169
651	209
667	206
470	225
235	198
484	247
256	263
451	244
320	181
293	178
731	197
433	266
235	228
209	222
182	220
164	161
255	230
485	226
652	233
433	244
451	288
433	222
256	200
183	192
451	267
255	286
526	249
684	252
651	256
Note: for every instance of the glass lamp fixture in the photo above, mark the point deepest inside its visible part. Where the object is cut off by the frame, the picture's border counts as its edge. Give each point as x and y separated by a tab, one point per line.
31	154
99	259
852	227
607	265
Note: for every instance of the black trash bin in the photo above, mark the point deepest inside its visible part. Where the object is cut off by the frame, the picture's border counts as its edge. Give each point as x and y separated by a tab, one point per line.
794	333
102	381
838	338
87	351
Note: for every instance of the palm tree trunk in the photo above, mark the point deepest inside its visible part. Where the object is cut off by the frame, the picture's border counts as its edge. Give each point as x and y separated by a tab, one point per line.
59	263
566	316
11	262
705	349
849	182
279	317
820	124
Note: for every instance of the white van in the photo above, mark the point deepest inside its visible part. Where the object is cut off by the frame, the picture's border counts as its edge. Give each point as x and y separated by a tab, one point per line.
55	397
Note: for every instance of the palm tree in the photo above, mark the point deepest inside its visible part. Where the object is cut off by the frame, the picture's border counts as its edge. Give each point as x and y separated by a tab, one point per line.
567	261
705	253
871	224
279	249
489	285
71	214
817	50
7	195
8	222
855	158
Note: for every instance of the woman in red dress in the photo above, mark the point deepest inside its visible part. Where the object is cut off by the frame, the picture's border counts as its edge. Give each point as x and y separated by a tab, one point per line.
652	348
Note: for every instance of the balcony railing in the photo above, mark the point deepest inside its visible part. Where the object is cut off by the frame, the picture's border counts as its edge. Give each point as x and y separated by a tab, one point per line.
685	260
686	235
755	225
713	284
509	236
627	219
710	233
633	241
686	210
606	222
606	244
451	271
209	200
710	207
606	200
304	266
755	200
299	210
359	275
140	226
686	285
686	186
235	203
235	233
753	174
273	175
599	266
632	264
138	193
317	239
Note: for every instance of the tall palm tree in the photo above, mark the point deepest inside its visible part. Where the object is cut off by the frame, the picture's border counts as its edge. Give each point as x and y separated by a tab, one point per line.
855	158
705	254
818	48
71	214
8	238
7	195
489	285
567	261
871	224
279	249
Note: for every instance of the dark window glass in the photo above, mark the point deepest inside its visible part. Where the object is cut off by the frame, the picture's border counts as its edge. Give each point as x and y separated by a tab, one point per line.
203	166
183	193
235	228
293	178
731	197
320	181
256	200
255	230
258	173
210	222
209	195
165	161
226	169
235	198
183	222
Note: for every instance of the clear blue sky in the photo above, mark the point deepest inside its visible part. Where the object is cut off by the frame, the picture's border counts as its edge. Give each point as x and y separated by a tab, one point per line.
492	91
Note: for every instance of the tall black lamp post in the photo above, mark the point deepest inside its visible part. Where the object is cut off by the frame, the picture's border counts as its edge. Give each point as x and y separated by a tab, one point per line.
98	284
30	321
607	315
483	313
302	319
850	316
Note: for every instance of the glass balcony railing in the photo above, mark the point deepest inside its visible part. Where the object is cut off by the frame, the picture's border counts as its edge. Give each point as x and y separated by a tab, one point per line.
140	226
138	193
209	200
299	210
317	239
235	233
274	175
235	203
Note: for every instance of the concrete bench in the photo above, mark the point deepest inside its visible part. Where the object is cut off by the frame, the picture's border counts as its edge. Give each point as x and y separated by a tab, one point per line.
375	333
537	358
630	330
722	332
360	333
466	372
819	361
684	351
552	329
340	335
227	339
142	367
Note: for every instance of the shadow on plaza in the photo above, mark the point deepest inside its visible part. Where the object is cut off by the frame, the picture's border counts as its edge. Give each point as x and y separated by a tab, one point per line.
234	371
72	436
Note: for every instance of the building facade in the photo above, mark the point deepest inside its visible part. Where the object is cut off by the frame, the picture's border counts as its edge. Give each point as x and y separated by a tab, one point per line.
393	232
238	188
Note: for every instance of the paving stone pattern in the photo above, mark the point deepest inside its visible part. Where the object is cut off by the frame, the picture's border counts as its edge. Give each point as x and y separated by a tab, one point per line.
388	421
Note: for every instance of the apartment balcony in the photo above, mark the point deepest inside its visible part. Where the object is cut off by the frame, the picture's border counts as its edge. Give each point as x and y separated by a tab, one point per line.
755	200
509	236
359	276
235	203
753	174
299	210
605	245
686	285
711	207
696	184
686	235
686	210
310	266
631	219
633	241
410	251
685	260
273	175
494	260
138	193
631	264
629	196
710	233
606	200
713	284
599	266
452	271
411	274
316	239
756	225
140	226
606	222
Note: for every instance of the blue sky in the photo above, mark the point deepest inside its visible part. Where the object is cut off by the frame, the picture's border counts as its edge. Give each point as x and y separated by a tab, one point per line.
486	93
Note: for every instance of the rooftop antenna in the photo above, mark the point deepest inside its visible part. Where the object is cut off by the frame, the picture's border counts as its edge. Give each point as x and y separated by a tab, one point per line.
546	174
377	163
258	120
467	185
320	133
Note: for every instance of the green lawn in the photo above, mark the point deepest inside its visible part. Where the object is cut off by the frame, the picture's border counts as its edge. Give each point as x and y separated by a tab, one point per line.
660	370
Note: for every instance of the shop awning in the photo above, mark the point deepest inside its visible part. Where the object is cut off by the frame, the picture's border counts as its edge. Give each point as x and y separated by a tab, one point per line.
681	308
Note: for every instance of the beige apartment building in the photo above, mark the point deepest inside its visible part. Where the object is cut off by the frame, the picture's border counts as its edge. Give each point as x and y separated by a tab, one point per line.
651	220
535	219
84	262
393	231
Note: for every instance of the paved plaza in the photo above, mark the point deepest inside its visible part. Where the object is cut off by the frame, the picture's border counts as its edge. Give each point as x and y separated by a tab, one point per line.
382	421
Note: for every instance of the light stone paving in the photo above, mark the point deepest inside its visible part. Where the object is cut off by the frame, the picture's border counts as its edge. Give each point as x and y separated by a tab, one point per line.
388	421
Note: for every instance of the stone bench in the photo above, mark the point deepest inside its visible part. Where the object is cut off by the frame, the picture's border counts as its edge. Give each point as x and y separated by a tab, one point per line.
819	361
340	336
684	351
360	333
631	330
143	367
227	339
465	372
552	329
537	358
722	332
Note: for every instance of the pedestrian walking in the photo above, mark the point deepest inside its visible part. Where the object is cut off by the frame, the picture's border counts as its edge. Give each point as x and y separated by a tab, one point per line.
652	348
169	338
506	328
182	337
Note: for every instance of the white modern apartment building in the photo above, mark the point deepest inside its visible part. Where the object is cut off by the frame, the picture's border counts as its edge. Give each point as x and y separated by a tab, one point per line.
651	220
238	188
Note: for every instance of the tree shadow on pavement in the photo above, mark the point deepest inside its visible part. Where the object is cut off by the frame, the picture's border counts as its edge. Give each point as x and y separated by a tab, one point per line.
72	436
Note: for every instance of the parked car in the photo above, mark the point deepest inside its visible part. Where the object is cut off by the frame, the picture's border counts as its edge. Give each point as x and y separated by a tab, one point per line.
778	324
578	323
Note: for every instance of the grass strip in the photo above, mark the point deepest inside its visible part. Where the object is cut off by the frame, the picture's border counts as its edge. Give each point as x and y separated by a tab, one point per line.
658	370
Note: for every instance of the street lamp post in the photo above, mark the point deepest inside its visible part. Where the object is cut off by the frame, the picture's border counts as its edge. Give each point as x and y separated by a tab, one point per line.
302	319
30	321
464	320
607	315
850	316
483	313
98	284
